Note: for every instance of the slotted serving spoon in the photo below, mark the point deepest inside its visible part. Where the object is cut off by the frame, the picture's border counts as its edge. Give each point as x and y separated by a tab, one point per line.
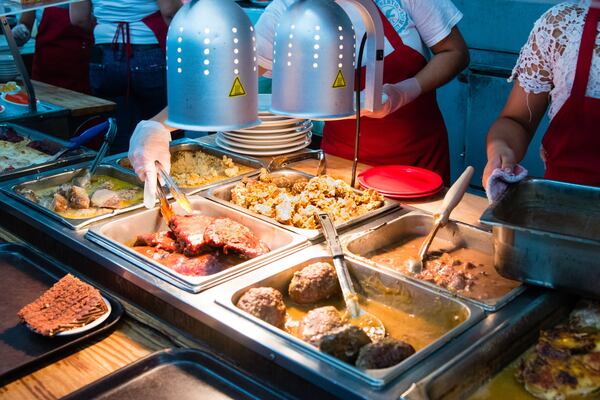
451	200
369	323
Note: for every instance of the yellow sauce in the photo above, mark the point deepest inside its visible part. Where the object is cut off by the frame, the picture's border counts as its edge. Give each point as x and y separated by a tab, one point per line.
45	197
417	329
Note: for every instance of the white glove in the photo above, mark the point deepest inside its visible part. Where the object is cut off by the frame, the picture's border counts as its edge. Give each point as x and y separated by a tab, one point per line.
149	142
398	95
21	34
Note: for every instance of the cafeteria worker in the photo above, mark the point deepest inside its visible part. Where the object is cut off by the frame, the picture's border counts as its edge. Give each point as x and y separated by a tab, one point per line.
423	50
558	70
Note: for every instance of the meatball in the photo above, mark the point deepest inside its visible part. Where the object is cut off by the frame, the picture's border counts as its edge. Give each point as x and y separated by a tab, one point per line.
344	343
319	322
313	283
265	303
383	354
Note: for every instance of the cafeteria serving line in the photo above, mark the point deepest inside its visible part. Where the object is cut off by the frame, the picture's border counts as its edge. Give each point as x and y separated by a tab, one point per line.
235	251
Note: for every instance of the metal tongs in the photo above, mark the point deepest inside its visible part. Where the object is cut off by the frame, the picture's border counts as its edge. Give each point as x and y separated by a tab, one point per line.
282	161
80	140
175	191
369	323
84	177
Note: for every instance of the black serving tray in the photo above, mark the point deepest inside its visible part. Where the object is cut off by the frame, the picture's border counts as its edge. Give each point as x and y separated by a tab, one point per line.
24	275
181	374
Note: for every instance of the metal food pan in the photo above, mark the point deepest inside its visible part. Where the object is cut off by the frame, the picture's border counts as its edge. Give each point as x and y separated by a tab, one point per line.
117	236
369	282
515	331
121	161
222	194
57	178
71	157
548	233
418	224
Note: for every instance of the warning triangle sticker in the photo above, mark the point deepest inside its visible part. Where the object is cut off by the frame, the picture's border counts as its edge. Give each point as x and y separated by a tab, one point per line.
237	89
339	82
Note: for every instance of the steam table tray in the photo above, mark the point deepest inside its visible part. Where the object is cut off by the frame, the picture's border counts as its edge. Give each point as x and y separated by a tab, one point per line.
25	276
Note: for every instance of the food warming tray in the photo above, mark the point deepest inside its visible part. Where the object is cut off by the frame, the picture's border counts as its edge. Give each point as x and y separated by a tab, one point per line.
177	374
117	235
222	194
57	178
26	274
121	161
376	284
415	223
548	233
72	157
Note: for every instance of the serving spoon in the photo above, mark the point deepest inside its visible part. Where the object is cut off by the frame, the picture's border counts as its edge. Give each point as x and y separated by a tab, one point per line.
451	200
368	322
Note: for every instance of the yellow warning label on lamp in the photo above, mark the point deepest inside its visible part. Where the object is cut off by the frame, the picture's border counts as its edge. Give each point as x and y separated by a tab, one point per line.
339	82
237	89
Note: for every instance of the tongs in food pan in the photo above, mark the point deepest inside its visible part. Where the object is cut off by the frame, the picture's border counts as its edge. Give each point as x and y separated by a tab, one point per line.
85	176
282	161
175	191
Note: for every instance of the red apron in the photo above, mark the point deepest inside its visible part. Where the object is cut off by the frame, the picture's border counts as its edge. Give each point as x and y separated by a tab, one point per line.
413	135
571	144
62	52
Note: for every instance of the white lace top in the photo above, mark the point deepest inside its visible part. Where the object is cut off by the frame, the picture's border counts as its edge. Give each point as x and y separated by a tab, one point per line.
548	60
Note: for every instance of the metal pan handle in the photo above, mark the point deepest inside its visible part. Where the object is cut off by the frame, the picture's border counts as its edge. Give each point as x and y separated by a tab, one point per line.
282	161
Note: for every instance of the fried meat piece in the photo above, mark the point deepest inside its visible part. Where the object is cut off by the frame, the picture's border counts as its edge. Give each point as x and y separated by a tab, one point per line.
265	303
162	240
344	343
189	233
319	322
383	354
313	283
202	265
59	203
232	236
78	198
105	198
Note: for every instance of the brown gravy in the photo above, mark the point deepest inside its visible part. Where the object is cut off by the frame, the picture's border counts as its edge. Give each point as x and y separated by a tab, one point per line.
487	285
419	330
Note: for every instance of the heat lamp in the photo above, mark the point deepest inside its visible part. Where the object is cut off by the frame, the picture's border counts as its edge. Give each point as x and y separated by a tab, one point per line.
212	77
314	52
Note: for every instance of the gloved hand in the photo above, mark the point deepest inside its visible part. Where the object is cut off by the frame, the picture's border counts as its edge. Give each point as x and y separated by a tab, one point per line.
21	34
398	95
149	142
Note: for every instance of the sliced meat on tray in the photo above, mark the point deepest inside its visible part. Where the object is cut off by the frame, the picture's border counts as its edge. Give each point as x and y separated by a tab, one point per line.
162	240
203	265
235	237
189	233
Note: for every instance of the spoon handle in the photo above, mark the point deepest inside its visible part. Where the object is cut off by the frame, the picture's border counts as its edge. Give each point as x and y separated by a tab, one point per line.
455	195
343	275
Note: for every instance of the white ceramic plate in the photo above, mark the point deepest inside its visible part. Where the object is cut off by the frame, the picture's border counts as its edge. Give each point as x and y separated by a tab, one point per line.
264	153
268	129
281	122
261	145
263	139
91	325
268	136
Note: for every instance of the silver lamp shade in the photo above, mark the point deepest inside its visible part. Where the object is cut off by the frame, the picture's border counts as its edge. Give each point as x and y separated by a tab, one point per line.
313	61
212	77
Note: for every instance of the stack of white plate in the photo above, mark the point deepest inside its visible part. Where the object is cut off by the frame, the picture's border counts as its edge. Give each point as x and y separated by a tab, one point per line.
274	136
8	68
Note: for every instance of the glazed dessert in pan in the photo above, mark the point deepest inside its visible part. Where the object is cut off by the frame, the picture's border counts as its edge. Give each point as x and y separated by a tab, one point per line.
198	245
296	202
68	304
18	151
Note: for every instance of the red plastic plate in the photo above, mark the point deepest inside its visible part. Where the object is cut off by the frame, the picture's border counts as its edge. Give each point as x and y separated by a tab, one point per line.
401	180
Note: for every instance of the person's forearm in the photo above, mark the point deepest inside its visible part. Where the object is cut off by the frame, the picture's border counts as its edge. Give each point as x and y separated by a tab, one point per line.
80	14
441	69
27	19
507	134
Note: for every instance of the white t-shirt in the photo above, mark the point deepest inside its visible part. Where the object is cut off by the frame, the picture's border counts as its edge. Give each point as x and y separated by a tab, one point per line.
420	24
548	60
109	13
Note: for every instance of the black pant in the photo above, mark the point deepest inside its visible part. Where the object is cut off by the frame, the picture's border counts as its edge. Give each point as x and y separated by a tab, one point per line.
139	91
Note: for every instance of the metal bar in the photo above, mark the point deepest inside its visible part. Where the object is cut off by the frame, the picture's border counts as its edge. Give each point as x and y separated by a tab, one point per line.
14	49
